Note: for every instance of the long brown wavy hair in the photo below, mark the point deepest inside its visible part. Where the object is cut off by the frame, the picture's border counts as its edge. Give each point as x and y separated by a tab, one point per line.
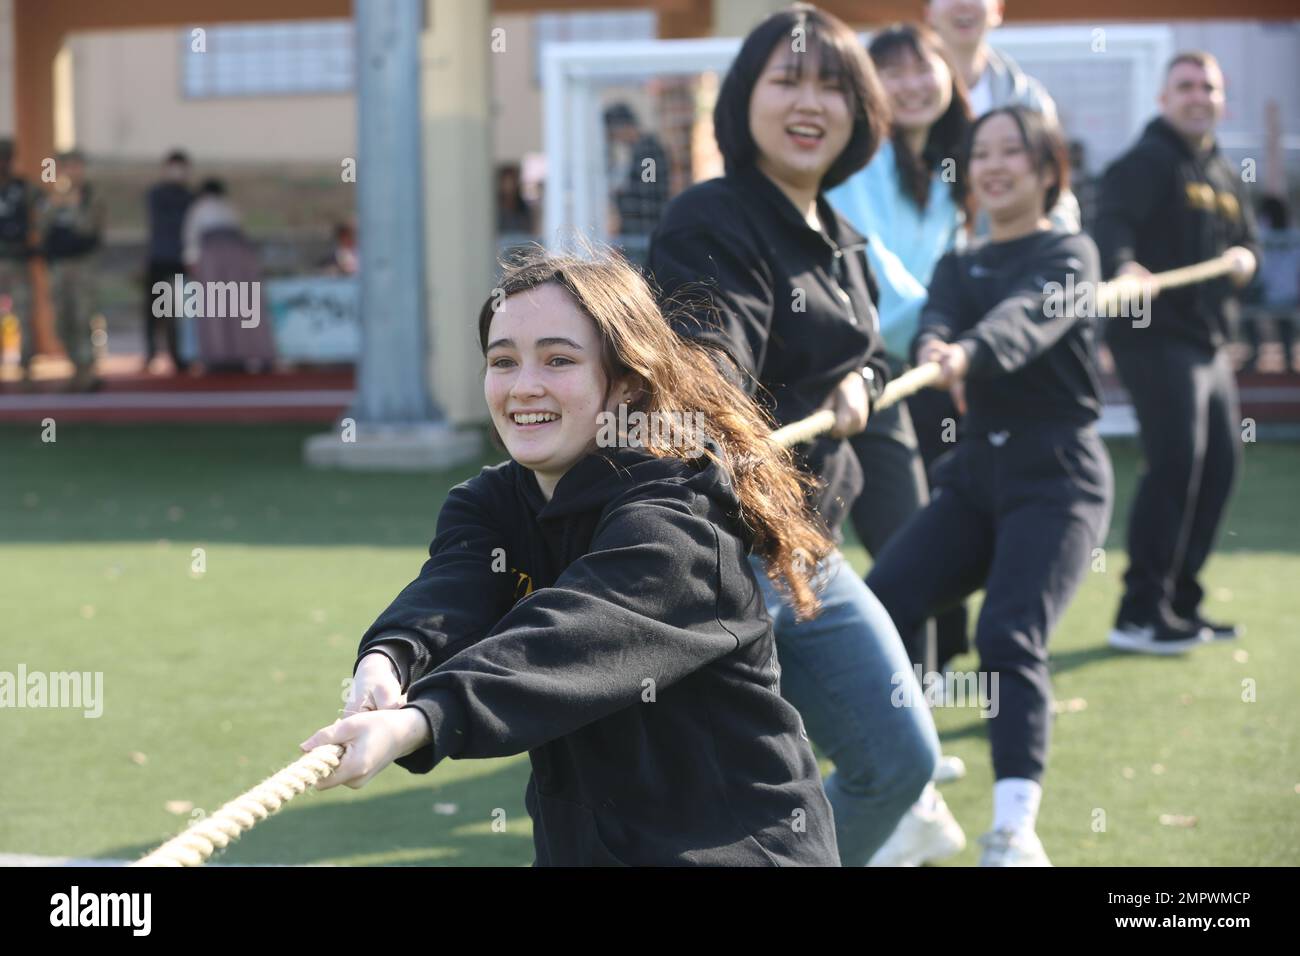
674	376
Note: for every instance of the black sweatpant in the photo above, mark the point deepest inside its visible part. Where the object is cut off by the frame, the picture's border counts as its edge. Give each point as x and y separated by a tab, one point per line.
935	417
1018	513
894	488
1186	401
161	271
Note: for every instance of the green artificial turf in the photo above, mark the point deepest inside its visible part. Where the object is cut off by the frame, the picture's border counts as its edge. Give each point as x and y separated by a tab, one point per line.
212	678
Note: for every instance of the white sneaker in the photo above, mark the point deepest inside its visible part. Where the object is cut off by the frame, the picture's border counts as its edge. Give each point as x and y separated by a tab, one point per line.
1013	848
922	836
948	769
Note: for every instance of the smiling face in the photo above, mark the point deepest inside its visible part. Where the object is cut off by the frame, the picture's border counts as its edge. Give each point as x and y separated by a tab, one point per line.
1002	174
544	382
963	24
1192	100
799	117
919	88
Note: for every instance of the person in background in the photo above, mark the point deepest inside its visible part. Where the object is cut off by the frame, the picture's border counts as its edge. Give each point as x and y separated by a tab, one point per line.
910	208
218	251
1173	200
642	195
72	229
1278	283
514	217
17	240
211	210
167	202
993	78
346	259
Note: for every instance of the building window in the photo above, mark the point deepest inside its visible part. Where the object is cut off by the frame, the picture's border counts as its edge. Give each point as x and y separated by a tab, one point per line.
268	59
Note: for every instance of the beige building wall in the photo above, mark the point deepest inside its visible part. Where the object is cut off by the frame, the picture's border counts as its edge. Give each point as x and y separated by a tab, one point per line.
129	105
516	97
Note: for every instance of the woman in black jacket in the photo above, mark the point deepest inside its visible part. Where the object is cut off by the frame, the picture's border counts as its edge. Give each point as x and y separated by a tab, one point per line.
591	602
778	285
1025	497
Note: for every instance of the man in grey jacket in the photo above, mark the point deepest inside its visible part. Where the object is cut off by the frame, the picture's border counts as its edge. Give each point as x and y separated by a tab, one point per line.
993	78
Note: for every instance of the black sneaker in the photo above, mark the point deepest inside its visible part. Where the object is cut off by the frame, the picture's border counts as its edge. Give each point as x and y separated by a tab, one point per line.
1218	631
1157	638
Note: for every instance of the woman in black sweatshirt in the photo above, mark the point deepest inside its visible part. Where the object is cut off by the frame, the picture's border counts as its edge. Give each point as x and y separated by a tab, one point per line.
591	602
1025	497
777	284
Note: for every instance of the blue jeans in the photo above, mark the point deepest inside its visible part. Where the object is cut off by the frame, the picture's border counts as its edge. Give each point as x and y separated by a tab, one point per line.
843	671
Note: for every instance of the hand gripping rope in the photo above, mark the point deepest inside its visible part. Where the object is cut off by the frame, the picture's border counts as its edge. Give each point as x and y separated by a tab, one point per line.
197	843
1109	295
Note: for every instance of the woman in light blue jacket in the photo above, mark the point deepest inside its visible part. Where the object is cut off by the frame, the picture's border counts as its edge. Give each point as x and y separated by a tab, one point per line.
909	205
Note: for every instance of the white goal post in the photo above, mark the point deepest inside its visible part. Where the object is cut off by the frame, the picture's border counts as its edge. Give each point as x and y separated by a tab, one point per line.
1104	78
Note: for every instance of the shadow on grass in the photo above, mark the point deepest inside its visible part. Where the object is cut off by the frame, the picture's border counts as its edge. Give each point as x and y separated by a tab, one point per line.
400	829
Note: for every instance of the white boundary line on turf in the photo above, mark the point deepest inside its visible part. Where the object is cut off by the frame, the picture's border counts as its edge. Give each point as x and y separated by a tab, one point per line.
107	400
30	859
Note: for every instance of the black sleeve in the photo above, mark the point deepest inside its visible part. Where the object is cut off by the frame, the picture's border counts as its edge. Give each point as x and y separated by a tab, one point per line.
1036	311
941	318
1131	189
462	591
568	655
717	289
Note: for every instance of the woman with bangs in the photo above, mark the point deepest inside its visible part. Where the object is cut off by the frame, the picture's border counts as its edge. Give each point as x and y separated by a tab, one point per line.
591	601
760	268
1021	502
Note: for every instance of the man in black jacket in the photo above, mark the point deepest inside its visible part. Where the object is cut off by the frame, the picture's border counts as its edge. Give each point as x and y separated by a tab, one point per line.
1170	201
167	202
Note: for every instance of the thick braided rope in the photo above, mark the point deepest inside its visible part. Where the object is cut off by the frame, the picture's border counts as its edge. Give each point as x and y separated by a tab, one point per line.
909	383
202	839
923	376
1116	289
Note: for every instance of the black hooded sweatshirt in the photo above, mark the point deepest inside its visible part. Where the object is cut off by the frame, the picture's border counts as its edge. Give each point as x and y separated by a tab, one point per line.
792	307
1165	205
1031	361
617	634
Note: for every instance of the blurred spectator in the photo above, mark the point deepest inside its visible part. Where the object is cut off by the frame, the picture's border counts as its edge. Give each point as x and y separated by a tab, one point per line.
513	213
210	210
17	238
1085	186
1278	286
167	201
217	252
642	194
71	225
345	260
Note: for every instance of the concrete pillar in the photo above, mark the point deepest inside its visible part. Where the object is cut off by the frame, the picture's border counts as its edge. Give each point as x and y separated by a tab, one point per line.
395	423
460	220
